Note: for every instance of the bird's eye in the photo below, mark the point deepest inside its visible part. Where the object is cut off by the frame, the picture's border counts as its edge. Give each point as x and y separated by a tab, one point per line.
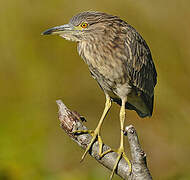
84	25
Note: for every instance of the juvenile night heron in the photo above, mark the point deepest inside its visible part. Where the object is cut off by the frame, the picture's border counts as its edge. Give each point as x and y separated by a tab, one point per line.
121	62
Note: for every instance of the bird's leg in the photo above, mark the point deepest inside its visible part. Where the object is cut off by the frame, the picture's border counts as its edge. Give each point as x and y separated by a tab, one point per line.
120	151
96	133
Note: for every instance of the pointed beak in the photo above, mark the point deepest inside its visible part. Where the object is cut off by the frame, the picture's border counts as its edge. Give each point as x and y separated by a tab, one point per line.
59	29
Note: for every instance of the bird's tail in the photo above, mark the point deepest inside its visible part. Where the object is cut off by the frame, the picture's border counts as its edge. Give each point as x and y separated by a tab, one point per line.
142	110
143	105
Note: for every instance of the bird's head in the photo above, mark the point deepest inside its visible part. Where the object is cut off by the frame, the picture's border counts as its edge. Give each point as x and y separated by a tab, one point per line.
84	26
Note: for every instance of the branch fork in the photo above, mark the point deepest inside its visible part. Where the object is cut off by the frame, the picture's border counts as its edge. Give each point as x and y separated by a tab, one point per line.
71	121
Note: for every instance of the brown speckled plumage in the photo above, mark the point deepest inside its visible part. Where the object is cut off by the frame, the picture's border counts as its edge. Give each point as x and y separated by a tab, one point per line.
118	57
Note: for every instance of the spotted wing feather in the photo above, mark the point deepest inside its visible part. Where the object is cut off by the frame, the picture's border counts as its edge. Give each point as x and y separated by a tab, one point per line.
140	68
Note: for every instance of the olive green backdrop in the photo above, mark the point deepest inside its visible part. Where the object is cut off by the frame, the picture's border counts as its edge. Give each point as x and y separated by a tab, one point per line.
37	70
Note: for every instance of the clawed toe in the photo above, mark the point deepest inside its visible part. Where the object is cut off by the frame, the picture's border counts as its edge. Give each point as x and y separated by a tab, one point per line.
95	136
121	154
83	132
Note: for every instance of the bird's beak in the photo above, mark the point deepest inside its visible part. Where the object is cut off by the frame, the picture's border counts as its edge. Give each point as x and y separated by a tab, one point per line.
59	29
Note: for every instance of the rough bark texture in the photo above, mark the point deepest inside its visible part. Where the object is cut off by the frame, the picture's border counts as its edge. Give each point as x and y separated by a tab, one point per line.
71	121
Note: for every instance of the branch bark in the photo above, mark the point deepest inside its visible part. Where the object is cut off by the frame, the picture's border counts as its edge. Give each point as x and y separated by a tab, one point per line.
71	121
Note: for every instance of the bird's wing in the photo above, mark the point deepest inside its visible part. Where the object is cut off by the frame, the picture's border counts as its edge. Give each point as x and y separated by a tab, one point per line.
139	63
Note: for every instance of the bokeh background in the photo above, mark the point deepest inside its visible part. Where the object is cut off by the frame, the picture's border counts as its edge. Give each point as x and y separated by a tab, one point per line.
37	70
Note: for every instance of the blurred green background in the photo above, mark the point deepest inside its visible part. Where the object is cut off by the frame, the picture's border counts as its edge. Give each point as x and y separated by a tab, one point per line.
37	70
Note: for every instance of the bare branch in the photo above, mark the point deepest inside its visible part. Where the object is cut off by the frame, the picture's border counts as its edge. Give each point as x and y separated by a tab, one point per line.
71	121
139	165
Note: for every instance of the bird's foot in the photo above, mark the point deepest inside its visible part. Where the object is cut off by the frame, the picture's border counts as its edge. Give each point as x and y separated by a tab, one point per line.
121	153
95	136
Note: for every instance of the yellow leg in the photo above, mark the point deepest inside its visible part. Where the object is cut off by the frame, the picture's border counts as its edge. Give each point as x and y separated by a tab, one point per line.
120	151
96	133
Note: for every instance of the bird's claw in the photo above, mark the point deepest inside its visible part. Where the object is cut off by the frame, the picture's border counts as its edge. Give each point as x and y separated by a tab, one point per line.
91	132
121	153
95	136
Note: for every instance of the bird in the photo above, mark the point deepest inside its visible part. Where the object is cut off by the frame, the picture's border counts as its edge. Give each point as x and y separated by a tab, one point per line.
120	60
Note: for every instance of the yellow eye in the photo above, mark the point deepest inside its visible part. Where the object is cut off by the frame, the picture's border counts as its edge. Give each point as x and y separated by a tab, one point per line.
84	25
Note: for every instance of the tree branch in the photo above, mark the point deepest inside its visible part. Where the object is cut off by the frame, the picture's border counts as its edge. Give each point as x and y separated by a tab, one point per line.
71	121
